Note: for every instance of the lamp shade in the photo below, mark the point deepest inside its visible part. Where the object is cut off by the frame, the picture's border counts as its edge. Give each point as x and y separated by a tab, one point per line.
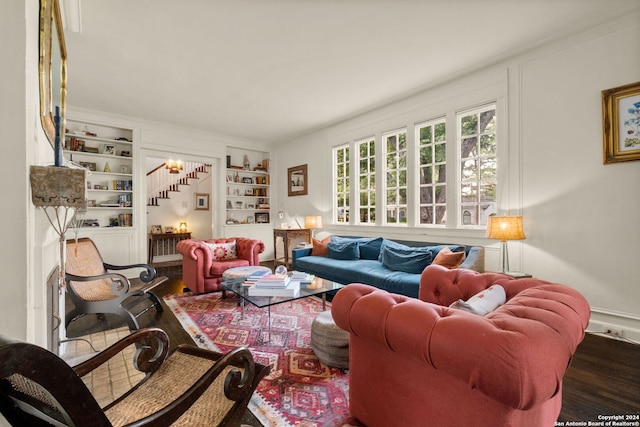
505	228
58	186
313	221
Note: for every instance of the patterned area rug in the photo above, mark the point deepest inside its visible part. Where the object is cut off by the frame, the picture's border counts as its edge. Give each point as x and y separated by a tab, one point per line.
299	390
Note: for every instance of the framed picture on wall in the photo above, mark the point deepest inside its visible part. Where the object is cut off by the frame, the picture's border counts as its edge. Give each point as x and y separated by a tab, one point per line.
621	123
297	182
202	202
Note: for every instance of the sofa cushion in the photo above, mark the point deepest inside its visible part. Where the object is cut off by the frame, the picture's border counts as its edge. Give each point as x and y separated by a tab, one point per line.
369	247
345	250
320	247
222	251
396	256
483	302
449	259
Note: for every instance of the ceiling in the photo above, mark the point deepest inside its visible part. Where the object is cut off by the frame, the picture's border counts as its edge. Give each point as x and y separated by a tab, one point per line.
270	70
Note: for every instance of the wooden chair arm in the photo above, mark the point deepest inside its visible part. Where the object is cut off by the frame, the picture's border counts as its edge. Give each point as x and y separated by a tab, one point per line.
147	274
145	360
120	285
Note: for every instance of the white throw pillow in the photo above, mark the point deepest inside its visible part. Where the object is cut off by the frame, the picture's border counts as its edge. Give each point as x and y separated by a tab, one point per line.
483	302
223	251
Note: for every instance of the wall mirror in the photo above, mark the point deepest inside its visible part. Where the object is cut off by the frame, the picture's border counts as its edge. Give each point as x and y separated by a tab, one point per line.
53	66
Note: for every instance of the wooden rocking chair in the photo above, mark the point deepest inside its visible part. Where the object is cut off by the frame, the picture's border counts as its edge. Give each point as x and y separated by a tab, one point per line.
192	387
93	289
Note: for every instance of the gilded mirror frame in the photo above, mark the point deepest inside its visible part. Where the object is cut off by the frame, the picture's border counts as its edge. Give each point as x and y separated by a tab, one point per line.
53	77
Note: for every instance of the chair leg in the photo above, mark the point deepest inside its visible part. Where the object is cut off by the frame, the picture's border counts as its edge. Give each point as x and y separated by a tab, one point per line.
156	301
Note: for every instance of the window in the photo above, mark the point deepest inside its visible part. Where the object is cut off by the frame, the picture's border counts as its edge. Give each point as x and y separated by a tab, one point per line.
342	187
478	164
431	141
367	181
396	170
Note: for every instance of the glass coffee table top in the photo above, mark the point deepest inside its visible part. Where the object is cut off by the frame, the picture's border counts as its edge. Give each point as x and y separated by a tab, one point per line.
318	287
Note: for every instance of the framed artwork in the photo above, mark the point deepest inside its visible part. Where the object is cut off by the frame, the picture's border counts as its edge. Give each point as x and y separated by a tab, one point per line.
250	219
109	149
621	123
169	229
156	229
247	180
202	202
248	192
262	218
297	180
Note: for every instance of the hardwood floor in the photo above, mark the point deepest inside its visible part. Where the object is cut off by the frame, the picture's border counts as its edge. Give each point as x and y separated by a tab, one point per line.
604	377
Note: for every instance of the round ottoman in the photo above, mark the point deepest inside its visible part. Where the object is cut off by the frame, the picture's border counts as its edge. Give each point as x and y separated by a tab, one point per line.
329	342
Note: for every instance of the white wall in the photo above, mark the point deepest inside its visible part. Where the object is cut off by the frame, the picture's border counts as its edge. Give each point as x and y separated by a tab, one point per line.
581	217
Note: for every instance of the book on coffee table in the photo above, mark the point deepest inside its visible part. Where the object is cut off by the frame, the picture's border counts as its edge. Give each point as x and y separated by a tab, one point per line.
291	290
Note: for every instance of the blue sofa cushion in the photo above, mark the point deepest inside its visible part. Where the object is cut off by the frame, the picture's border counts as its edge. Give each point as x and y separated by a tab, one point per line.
345	250
369	247
398	257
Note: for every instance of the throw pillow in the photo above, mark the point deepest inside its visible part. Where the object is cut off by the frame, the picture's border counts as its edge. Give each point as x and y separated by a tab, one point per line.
223	251
449	259
369	247
483	302
343	250
399	257
320	247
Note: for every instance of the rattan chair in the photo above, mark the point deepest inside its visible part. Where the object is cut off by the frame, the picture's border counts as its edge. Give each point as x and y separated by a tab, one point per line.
94	289
191	387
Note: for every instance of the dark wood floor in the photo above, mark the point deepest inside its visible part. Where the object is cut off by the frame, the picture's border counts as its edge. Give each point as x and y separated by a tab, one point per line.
604	377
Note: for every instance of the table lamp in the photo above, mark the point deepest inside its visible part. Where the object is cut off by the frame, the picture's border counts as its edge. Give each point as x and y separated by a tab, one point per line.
312	222
505	228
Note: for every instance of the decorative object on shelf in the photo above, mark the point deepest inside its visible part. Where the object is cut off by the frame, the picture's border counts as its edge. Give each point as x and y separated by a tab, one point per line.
505	228
297	182
312	222
109	149
156	229
106	167
251	219
169	229
246	163
247	180
183	227
621	123
202	202
174	166
248	192
262	217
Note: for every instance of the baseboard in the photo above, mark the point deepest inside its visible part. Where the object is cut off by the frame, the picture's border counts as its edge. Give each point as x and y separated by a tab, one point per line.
623	326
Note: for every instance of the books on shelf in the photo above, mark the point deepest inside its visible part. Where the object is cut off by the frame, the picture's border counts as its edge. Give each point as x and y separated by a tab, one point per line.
291	290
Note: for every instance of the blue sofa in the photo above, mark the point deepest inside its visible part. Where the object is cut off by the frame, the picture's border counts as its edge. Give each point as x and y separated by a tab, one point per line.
380	262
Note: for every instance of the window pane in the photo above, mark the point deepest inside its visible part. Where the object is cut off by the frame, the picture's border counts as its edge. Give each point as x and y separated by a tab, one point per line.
469	125
440	132
441	173
425	135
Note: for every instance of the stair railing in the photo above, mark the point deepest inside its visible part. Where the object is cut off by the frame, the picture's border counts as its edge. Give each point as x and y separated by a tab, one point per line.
160	181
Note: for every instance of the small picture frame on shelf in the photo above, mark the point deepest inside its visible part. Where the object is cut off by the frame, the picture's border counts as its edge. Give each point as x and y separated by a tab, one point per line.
251	219
89	165
156	229
229	204
248	192
251	206
169	229
247	180
109	149
124	153
238	205
262	218
91	203
124	169
93	150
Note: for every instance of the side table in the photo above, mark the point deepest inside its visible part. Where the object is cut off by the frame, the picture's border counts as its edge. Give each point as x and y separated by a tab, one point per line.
164	244
288	235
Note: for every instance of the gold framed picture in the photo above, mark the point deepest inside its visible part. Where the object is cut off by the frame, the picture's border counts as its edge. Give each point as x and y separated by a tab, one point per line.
202	202
621	123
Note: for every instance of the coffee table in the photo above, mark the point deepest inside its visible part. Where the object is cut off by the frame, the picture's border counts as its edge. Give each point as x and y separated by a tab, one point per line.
319	287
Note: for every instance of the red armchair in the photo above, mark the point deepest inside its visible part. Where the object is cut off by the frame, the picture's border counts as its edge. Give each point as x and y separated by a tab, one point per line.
201	273
417	362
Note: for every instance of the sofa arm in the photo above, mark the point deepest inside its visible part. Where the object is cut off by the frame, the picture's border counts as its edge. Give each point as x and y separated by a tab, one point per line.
517	355
297	253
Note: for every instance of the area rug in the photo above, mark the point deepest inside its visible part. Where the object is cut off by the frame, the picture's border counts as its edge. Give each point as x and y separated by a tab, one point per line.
300	390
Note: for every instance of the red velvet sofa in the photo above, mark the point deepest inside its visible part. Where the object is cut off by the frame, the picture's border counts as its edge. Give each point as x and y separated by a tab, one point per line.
201	273
417	362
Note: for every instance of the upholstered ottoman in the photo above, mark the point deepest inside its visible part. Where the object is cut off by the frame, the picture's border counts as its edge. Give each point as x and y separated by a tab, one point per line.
329	342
